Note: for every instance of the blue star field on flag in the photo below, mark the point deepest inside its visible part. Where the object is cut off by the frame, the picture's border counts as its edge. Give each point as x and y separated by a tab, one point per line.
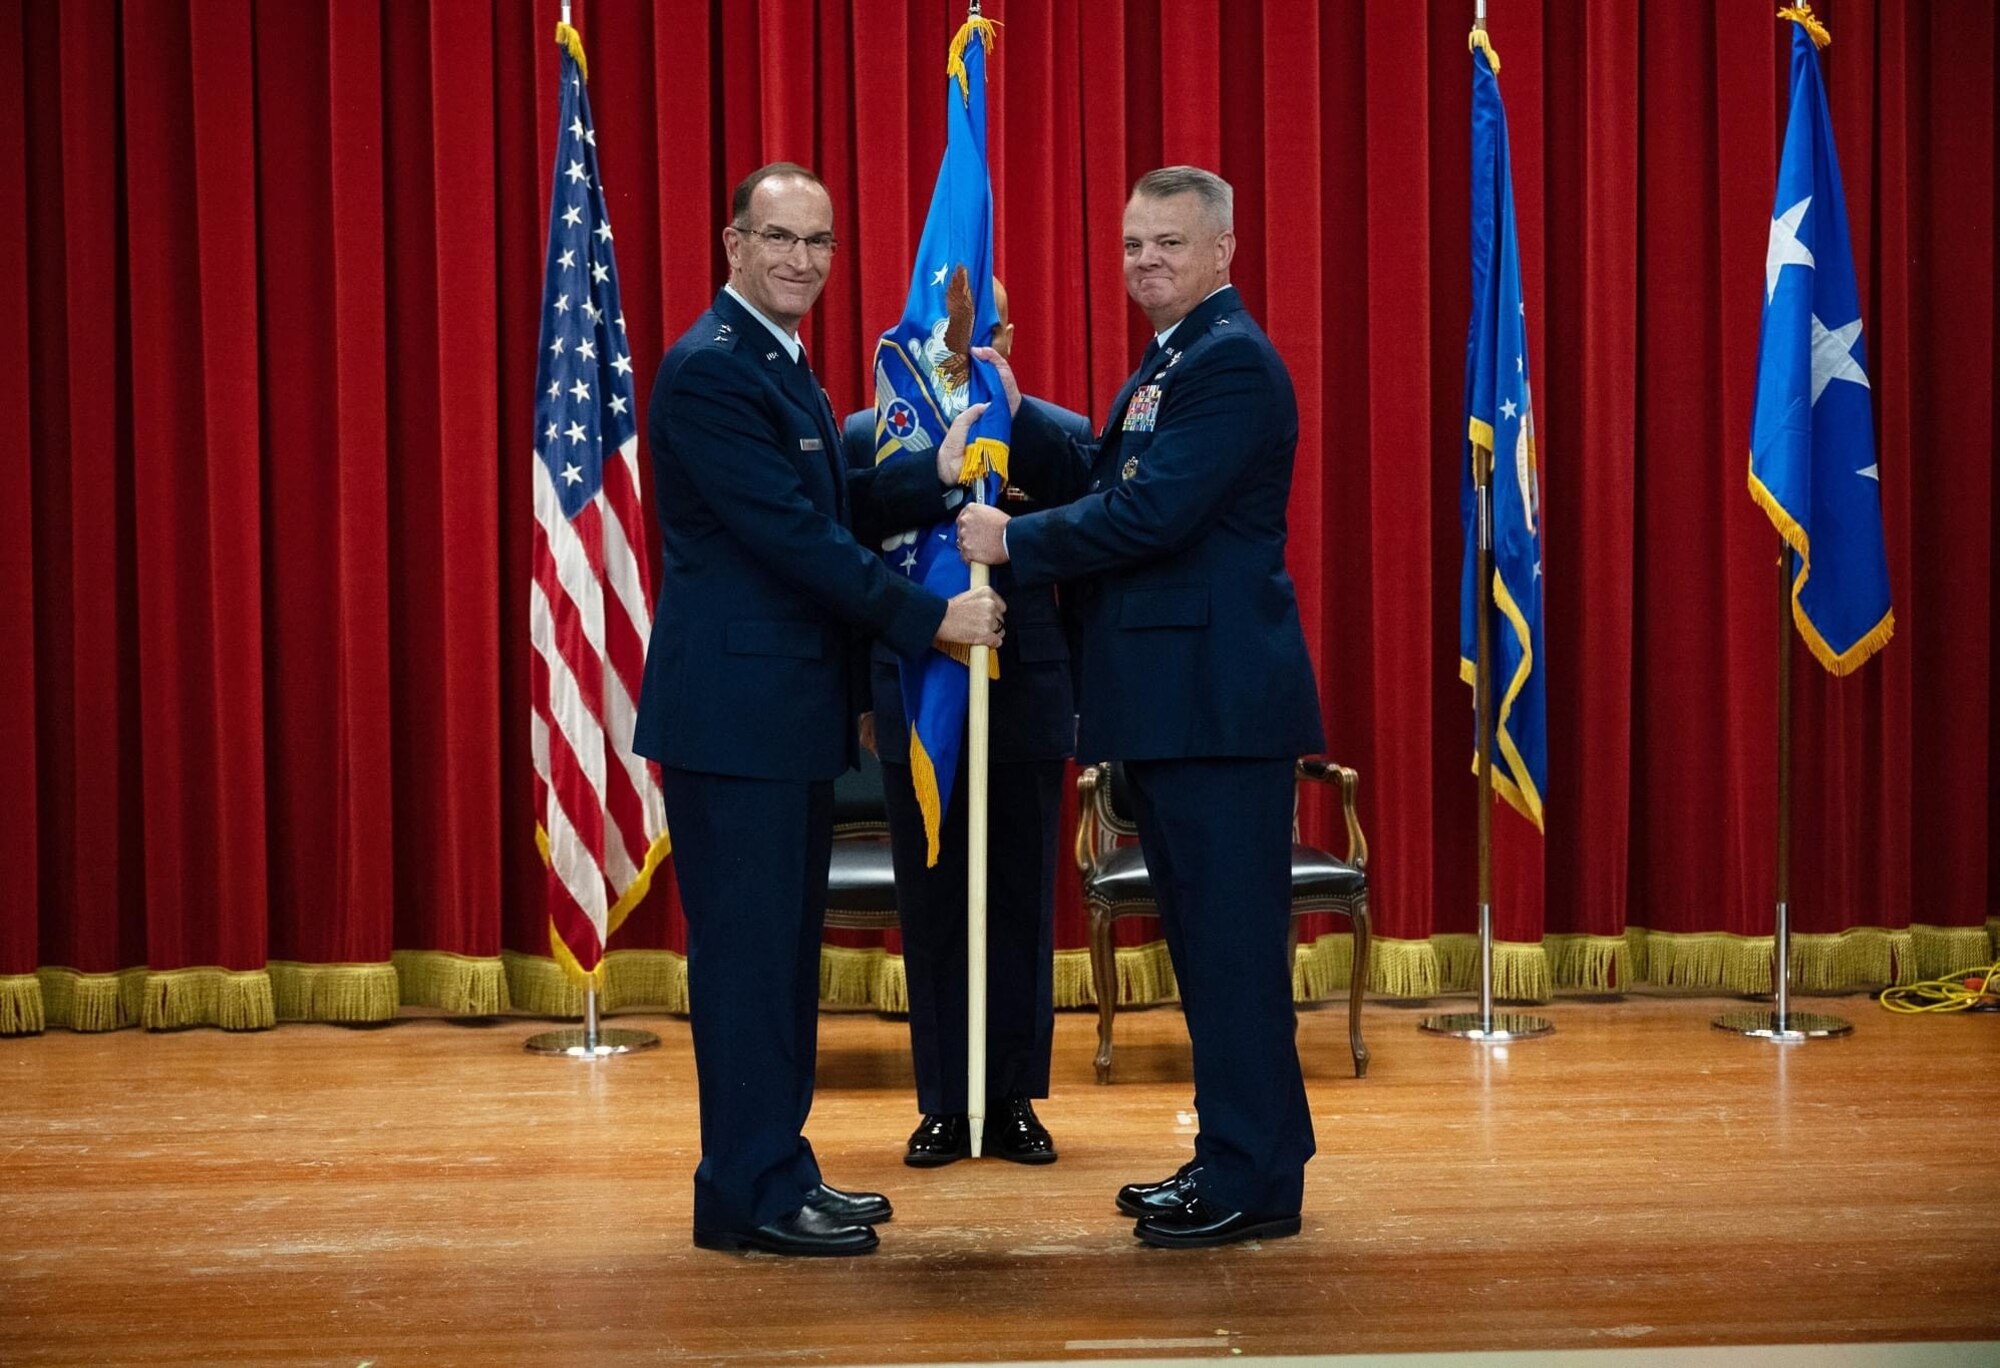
1812	427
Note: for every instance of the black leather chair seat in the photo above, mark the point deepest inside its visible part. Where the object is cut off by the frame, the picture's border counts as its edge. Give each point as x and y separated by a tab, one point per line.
862	877
1120	877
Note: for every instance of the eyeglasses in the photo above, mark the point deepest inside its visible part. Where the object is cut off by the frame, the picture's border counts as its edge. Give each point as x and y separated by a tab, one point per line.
782	240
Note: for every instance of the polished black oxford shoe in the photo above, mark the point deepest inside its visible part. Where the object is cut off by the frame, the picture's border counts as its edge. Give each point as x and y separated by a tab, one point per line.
1147	1199
1015	1133
1197	1223
804	1232
849	1208
940	1138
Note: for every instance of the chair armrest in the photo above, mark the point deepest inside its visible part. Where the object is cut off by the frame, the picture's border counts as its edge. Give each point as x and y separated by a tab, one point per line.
1086	816
1321	770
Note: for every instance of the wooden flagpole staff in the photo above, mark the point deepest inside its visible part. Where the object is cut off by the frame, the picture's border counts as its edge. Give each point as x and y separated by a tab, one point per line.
976	758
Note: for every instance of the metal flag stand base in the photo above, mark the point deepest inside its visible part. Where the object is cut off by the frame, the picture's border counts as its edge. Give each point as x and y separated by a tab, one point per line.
1787	1027
1485	1024
1781	1023
588	1041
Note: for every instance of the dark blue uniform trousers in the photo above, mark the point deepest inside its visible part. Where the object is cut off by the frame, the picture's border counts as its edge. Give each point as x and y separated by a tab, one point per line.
751	857
1024	812
1217	840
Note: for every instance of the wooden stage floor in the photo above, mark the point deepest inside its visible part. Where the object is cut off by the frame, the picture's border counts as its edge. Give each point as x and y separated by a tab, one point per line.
426	1193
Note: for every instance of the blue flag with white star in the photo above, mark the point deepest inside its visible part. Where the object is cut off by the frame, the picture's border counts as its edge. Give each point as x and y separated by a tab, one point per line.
1812	427
925	376
1500	434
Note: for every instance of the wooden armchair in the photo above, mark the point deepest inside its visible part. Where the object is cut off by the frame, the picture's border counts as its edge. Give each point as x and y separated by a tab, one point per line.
1116	885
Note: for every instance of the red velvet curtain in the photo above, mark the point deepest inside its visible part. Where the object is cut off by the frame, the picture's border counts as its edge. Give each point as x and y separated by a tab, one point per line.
277	264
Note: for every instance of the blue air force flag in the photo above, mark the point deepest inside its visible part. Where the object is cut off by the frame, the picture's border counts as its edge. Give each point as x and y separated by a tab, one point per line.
925	376
1812	431
1500	435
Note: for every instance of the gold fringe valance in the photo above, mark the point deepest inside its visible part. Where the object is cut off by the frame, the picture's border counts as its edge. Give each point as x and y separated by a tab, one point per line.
235	1000
850	977
1520	970
1324	968
21	1005
1403	968
335	992
92	1002
540	986
1598	964
1941	950
463	985
1717	962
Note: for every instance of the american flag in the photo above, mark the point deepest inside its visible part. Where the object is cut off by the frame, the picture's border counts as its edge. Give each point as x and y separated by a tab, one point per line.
602	824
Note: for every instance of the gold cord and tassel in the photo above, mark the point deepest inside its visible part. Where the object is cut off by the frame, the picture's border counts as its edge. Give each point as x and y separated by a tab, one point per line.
570	41
1802	15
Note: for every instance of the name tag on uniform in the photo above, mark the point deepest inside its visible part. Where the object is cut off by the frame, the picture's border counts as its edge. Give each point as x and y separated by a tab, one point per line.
1144	410
811	444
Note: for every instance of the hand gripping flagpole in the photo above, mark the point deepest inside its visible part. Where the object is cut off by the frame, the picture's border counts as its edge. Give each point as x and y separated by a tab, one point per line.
1485	1024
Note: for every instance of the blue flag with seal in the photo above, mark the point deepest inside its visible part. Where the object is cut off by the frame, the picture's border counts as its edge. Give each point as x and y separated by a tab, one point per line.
1812	424
1500	436
925	376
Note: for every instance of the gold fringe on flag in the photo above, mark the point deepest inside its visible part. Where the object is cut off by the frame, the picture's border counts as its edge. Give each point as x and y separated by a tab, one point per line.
923	779
570	41
1478	39
983	455
1802	15
954	64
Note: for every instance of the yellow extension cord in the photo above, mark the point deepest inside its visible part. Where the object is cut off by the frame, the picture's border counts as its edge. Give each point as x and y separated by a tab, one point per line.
1949	994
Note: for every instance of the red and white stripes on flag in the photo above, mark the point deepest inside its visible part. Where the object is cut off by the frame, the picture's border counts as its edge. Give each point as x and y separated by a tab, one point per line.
602	824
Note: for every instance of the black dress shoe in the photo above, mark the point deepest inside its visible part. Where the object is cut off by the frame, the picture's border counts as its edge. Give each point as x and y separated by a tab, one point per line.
849	1208
1198	1222
805	1231
940	1138
1015	1133
1148	1199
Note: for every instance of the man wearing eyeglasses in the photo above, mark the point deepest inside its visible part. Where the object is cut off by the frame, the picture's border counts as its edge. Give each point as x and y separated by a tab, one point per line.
1194	673
750	695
